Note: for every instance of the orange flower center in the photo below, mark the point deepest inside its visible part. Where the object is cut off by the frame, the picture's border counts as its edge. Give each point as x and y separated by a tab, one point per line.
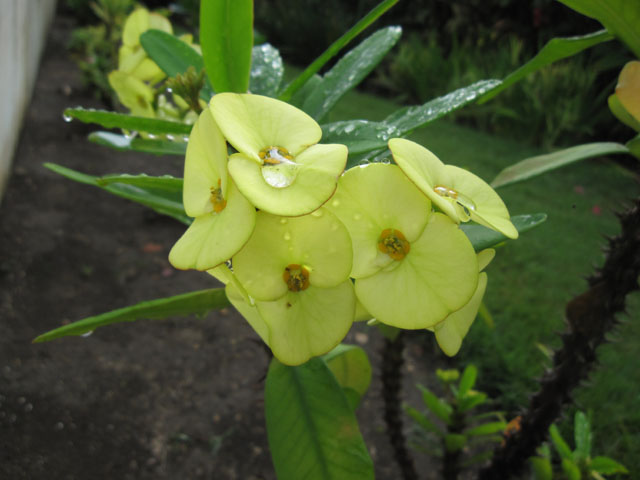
393	243
296	277
217	200
275	155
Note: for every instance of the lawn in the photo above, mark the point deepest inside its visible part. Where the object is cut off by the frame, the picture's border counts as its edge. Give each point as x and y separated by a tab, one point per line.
533	278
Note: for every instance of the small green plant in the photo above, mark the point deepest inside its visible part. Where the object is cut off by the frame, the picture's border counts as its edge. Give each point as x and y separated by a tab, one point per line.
575	464
454	420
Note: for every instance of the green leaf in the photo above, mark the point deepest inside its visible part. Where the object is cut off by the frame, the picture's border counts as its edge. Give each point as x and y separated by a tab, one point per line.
313	433
634	146
570	469
454	442
440	409
192	303
226	38
486	429
541	468
266	70
351	367
423	421
620	17
174	56
540	164
136	144
471	401
556	49
126	122
485	315
582	436
561	446
467	381
335	47
162	194
483	237
407	119
606	466
350	71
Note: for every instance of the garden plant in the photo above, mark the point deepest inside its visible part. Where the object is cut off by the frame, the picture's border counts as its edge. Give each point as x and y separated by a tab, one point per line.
312	225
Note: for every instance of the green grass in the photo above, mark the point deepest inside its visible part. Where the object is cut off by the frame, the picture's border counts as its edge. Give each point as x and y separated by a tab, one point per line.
533	278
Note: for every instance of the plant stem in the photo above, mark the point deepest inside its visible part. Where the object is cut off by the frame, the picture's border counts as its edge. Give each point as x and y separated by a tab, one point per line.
392	361
590	316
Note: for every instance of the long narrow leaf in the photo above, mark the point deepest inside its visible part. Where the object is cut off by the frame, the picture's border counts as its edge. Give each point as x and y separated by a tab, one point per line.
467	381
192	303
350	71
561	445
313	433
539	164
620	17
127	122
174	56
335	47
556	49
136	144
483	237
226	38
160	198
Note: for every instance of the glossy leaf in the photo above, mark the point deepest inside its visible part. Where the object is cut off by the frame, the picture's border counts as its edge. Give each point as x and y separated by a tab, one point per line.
483	237
174	56
267	70
561	446
570	469
192	303
226	38
620	17
407	119
540	164
335	47
352	369
313	433
349	71
126	122
137	144
439	408
467	381
556	49
606	466
582	436
161	194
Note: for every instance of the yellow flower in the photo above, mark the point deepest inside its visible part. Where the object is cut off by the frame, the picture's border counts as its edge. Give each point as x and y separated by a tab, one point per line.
280	167
457	192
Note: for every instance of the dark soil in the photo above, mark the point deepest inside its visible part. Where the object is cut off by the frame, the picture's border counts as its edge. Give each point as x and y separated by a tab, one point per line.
171	399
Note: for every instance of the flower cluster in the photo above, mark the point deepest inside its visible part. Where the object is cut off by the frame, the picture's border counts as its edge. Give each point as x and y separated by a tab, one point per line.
304	248
137	75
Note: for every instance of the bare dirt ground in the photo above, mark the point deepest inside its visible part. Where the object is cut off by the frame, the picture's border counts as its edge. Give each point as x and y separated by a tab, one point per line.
171	399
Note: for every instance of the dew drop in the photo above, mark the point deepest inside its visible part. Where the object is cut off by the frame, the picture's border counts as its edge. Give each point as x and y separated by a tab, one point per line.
151	136
283	221
335	203
88	334
357	216
281	175
287	236
317	213
67	118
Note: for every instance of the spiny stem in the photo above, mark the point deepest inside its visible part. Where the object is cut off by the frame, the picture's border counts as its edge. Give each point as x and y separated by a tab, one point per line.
392	362
590	316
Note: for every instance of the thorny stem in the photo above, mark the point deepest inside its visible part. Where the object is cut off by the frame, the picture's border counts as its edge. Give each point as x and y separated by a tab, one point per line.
589	316
391	385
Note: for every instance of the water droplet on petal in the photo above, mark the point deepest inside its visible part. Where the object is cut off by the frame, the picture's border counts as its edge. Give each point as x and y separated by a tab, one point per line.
357	216
317	213
283	221
335	203
287	236
281	175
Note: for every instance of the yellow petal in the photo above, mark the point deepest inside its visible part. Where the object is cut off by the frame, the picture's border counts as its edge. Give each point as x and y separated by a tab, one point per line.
135	24
132	93
628	88
252	122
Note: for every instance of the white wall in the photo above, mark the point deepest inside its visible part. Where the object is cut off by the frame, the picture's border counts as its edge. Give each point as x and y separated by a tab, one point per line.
23	30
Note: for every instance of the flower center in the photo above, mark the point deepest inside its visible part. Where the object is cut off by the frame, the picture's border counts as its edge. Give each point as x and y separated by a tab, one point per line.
217	200
296	277
393	243
278	168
